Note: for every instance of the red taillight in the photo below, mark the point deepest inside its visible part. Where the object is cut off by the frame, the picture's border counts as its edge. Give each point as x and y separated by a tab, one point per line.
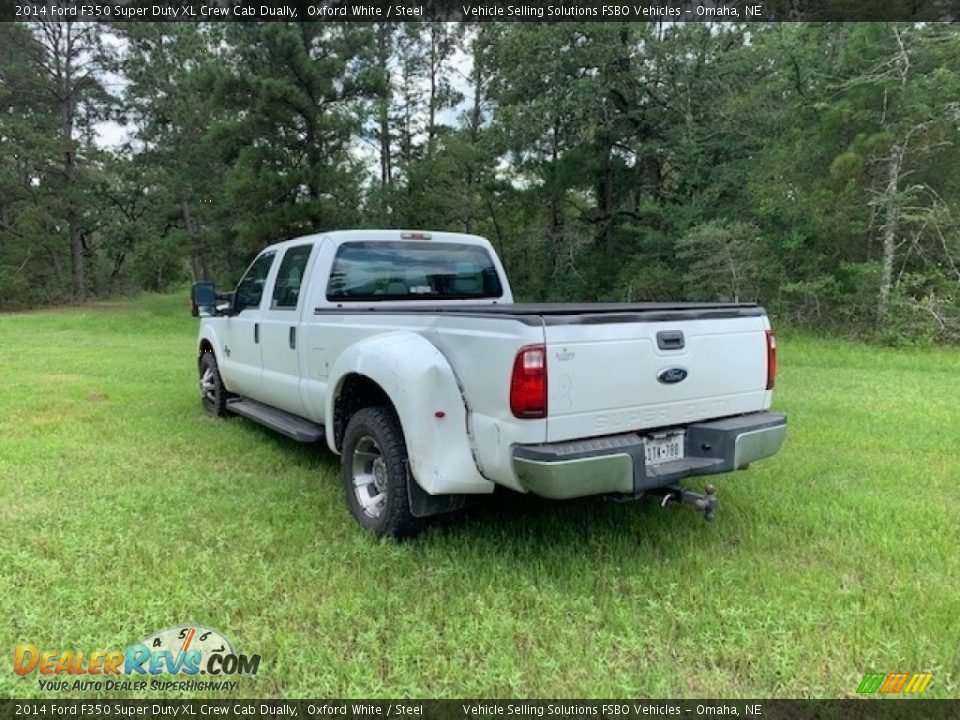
528	383
771	359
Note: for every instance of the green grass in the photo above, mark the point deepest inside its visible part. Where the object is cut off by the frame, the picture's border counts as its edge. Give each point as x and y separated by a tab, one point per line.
125	510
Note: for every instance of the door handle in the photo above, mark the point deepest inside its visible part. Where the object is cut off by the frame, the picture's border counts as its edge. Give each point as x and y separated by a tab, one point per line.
293	337
256	332
670	340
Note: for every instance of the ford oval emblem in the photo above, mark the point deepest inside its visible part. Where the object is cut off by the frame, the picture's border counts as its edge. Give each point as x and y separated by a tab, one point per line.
672	375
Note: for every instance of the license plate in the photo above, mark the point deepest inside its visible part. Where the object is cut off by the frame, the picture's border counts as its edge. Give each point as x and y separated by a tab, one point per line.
664	448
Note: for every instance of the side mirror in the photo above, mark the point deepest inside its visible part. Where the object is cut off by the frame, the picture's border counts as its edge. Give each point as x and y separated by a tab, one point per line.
203	299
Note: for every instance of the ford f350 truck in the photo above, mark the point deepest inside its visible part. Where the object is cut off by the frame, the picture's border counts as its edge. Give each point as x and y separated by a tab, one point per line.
405	352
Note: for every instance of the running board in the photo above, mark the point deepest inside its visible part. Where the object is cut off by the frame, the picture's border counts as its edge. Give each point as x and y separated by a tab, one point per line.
283	422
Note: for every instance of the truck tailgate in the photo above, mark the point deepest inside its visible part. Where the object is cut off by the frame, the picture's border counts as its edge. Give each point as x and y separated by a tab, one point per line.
607	375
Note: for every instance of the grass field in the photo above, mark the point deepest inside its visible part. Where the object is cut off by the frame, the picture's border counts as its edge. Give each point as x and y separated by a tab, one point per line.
126	510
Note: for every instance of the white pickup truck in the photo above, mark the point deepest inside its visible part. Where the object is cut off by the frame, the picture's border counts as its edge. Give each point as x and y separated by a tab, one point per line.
405	352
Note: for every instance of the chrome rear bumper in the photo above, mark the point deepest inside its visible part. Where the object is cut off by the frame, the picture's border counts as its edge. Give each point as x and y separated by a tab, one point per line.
616	464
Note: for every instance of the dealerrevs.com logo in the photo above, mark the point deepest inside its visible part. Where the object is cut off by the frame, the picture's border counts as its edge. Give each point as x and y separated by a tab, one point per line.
895	682
184	651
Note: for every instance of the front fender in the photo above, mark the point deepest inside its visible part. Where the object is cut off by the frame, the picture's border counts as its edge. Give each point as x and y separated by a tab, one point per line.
420	383
209	333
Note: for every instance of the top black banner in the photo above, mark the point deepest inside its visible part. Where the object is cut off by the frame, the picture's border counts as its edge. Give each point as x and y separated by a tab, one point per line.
704	11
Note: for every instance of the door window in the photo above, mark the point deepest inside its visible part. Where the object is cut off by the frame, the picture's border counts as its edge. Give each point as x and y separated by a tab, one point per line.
250	289
286	290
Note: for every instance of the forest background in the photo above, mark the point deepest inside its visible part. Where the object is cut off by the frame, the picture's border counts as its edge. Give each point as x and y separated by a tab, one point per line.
811	167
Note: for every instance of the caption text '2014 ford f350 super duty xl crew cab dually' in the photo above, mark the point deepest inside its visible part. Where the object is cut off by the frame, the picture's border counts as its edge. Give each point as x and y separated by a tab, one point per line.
405	352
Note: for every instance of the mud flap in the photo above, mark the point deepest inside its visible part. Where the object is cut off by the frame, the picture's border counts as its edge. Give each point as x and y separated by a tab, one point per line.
423	504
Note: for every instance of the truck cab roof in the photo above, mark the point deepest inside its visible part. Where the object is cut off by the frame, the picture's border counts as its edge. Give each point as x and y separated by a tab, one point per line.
338	237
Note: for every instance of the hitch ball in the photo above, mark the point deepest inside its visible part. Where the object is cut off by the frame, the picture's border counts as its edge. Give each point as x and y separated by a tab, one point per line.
710	511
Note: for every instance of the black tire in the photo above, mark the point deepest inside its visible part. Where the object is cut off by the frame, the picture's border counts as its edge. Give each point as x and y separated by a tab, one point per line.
375	476
213	395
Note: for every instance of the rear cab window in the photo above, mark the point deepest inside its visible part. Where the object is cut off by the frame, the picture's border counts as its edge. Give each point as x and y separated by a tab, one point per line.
374	271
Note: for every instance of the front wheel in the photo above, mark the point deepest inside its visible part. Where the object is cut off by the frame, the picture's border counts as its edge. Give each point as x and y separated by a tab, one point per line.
212	392
375	476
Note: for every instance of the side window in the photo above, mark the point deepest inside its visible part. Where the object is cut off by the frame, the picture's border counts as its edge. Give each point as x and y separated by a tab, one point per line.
250	289
286	290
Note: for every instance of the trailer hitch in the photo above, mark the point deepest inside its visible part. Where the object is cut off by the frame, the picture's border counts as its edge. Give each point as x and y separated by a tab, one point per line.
706	501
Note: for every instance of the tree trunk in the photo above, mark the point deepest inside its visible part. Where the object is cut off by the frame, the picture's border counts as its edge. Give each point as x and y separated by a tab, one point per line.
891	212
198	260
383	57
57	266
76	255
432	105
386	170
204	267
554	229
476	116
117	264
67	111
891	203
603	191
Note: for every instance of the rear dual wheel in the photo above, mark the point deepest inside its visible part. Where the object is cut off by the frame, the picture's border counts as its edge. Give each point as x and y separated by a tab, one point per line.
375	475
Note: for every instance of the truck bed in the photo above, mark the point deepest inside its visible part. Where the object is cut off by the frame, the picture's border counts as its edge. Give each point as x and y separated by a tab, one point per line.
606	360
